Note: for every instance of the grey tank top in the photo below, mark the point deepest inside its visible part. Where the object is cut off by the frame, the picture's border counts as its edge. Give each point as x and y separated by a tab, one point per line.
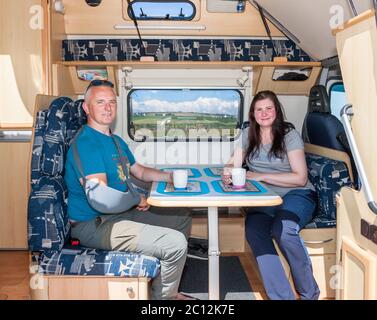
261	163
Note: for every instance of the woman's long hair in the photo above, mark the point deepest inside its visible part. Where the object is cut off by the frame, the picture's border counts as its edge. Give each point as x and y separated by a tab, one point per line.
279	127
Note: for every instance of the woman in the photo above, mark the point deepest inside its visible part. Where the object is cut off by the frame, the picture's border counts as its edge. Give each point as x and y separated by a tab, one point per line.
274	154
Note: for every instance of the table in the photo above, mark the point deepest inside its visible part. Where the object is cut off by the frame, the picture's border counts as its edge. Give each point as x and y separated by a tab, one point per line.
213	196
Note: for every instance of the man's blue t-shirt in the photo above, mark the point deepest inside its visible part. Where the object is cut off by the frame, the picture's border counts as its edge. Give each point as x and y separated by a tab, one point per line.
98	154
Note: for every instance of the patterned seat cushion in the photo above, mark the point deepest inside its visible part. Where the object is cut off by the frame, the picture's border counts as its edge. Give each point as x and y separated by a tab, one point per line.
47	209
321	222
327	176
77	119
54	141
47	214
85	261
39	131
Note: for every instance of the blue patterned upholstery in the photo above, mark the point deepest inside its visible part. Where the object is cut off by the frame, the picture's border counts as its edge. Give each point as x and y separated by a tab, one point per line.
54	142
180	49
86	261
327	176
48	222
39	131
48	226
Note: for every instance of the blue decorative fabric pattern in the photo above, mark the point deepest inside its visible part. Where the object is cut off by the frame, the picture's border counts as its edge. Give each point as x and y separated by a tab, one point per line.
47	214
327	176
321	222
39	131
181	50
54	141
86	261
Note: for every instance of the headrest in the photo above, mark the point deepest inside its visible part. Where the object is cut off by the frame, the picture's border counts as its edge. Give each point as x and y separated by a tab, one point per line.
319	100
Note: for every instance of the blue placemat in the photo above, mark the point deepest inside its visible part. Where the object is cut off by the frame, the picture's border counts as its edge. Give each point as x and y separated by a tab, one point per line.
193	188
251	187
214	172
193	172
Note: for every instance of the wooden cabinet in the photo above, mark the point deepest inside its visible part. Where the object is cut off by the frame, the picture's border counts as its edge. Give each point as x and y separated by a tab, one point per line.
66	81
231	231
263	80
88	288
321	246
14	194
359	272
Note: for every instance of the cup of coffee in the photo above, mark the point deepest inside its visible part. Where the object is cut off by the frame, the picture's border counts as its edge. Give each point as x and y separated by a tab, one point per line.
238	178
180	179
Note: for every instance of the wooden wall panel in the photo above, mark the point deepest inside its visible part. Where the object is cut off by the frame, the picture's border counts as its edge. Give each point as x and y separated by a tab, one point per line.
79	20
357	48
56	34
14	163
21	23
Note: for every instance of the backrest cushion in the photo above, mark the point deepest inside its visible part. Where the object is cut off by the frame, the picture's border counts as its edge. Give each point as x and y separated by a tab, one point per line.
48	226
47	208
39	132
54	144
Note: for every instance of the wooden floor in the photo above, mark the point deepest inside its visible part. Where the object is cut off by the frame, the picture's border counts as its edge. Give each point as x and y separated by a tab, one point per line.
14	275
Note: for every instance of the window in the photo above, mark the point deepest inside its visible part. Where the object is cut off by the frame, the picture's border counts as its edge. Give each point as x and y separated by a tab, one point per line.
184	114
337	98
162	10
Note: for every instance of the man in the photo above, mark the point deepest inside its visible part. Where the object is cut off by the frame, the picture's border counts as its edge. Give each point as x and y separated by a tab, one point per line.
162	235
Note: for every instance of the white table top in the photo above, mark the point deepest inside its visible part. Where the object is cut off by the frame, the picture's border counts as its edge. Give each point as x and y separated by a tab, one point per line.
214	197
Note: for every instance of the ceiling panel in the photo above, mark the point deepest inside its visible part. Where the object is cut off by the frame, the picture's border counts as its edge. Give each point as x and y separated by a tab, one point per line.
310	20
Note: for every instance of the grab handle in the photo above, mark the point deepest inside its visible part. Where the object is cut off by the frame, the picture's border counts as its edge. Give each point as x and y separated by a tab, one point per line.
345	113
318	241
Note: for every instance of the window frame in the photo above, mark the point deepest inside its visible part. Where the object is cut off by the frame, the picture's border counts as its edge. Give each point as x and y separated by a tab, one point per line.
187	139
190	18
336	82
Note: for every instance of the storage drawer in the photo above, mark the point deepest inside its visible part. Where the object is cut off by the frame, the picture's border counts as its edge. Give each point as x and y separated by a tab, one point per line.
123	290
96	288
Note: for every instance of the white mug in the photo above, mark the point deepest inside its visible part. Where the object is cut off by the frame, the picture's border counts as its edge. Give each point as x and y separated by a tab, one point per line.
180	178
238	177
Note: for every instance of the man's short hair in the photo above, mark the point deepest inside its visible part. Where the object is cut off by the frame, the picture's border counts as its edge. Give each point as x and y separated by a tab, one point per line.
97	83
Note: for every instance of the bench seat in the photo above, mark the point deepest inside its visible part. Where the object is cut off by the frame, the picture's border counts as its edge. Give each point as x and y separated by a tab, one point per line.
78	260
48	225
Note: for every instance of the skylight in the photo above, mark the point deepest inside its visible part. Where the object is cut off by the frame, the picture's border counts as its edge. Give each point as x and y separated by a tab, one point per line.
162	10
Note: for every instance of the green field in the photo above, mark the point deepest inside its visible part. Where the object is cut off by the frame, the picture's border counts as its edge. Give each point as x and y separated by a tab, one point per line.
180	124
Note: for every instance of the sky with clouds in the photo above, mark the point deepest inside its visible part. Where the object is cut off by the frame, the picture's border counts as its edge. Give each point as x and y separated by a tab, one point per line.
198	101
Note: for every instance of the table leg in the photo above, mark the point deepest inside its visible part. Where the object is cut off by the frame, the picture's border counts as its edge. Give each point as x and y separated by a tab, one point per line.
213	254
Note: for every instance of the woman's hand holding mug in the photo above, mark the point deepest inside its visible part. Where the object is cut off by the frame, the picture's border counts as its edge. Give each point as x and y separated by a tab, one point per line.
226	175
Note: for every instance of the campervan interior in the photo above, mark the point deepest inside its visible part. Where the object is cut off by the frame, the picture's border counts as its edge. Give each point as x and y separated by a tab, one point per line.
185	73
